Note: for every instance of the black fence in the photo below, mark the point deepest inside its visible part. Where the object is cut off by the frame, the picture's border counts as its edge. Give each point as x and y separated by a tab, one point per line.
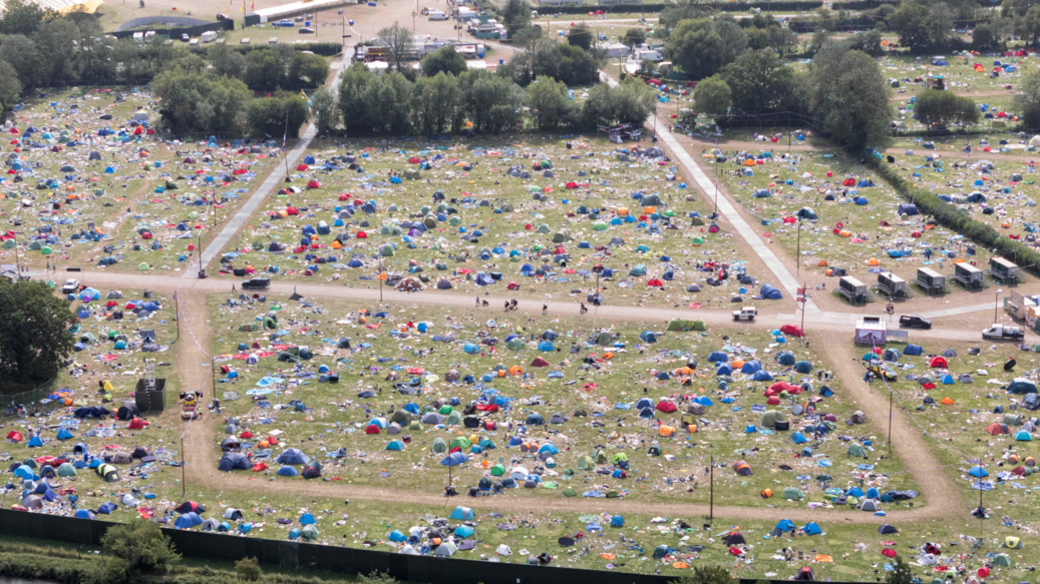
304	556
766	5
175	33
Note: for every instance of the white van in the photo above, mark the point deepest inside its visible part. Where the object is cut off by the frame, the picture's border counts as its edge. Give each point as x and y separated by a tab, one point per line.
209	36
438	15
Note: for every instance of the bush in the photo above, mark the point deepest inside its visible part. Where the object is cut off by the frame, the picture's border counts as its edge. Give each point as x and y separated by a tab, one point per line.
950	217
141	544
708	574
282	114
248	569
376	577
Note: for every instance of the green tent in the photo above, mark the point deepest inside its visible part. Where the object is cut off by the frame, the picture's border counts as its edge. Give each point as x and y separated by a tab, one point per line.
498	470
515	344
445	410
619	457
570	492
601	457
586	463
309	532
439	445
402	418
1002	560
793	494
460	442
856	449
453	419
678	324
770	418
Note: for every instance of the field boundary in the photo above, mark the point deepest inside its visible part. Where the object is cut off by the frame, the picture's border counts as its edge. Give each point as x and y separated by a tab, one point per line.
291	555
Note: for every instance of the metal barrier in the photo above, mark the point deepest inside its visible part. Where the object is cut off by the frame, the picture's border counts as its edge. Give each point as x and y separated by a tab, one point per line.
31	396
304	556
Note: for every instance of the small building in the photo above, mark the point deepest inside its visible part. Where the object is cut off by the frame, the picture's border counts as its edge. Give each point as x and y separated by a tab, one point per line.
891	285
871	330
1003	270
967	275
853	290
930	281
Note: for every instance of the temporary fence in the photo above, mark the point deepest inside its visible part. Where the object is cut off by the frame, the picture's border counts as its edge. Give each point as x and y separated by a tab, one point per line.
304	556
28	397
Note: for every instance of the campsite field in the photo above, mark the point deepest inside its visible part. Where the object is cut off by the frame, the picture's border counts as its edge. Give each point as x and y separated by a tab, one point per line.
595	389
956	413
465	224
92	213
858	237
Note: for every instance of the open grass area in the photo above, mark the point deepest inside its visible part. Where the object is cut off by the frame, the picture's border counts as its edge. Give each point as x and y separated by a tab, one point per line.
451	215
89	188
858	225
604	395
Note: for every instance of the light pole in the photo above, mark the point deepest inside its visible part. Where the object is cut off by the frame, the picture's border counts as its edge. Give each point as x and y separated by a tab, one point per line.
996	303
715	155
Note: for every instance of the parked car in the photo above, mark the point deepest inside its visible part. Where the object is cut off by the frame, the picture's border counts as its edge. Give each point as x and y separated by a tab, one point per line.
914	321
70	287
747	313
256	284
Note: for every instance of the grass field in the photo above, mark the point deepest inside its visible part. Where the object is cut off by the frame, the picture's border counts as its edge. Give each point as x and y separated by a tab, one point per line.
465	219
596	389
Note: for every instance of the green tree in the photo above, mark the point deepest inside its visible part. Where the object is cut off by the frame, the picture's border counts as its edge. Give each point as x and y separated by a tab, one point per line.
900	574
707	574
21	52
196	99
353	86
923	26
516	15
325	110
713	96
634	36
264	71
631	102
684	10
983	39
848	97
248	569
696	48
399	44
446	60
782	40
868	42
492	102
759	82
758	38
226	61
1030	89
944	107
307	69
10	87
57	39
22	17
141	544
389	98
34	336
734	39
549	103
437	102
580	36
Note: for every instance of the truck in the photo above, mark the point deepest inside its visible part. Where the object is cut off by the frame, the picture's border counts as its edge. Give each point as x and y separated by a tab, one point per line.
209	36
1003	270
256	284
437	15
747	313
999	332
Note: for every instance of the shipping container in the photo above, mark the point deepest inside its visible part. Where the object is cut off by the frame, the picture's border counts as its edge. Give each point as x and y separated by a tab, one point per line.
967	275
1003	270
930	281
891	285
852	289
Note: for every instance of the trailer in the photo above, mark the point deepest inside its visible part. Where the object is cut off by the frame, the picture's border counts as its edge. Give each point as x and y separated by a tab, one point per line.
871	330
891	285
967	275
853	290
1003	270
930	281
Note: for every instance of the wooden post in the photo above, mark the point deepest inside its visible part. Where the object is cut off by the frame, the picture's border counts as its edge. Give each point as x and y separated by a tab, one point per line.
805	292
798	253
891	398
711	500
213	375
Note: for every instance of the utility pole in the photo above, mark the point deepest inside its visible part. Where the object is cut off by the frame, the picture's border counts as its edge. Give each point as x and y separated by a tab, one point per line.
711	491
996	303
184	485
802	296
213	375
715	155
891	398
798	253
198	248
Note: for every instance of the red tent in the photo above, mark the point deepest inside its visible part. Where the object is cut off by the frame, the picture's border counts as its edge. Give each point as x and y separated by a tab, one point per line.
849	182
655	283
938	362
539	362
314	184
302	167
259	467
666	407
137	424
14	436
572	185
773	401
414	160
291	211
372	429
889	553
794	331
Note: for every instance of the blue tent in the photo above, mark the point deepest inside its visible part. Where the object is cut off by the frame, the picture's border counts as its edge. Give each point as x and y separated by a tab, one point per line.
978	472
785	525
752	366
106	508
35	442
704	401
461	513
1023	436
307	519
873	493
293	456
617	521
803	367
547	447
785	358
947	379
287	471
812	529
455	459
909	210
84	514
750	429
854	492
395	445
464	531
769	292
798	438
860	201
648	336
913	350
188	520
1017	385
762	376
546	347
724	369
64	434
644	402
718	357
397	537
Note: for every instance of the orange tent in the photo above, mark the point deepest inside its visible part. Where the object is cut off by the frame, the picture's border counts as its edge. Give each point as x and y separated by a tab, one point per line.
946	401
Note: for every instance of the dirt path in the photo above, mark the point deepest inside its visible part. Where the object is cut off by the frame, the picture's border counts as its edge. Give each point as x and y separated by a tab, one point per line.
202	456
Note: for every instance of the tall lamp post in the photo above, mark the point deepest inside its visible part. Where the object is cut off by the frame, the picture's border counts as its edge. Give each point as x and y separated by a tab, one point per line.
996	303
